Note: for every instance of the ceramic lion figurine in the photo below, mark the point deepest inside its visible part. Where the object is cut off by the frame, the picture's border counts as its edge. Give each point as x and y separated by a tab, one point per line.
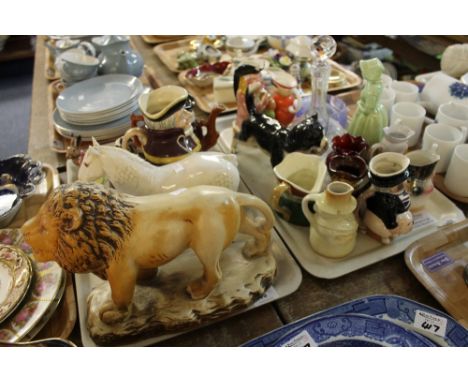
86	227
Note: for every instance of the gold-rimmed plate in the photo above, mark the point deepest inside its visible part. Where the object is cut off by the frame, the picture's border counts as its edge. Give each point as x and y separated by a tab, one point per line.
40	302
15	278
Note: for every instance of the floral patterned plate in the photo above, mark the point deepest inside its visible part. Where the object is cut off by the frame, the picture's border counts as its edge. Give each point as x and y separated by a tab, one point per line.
15	278
353	330
42	299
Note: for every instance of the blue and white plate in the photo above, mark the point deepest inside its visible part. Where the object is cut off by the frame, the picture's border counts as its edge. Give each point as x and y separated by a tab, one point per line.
399	310
354	330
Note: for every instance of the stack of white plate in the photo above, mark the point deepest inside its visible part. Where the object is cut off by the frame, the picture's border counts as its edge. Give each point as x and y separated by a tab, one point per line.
99	107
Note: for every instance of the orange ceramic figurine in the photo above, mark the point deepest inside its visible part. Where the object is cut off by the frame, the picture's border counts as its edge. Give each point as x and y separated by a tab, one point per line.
286	97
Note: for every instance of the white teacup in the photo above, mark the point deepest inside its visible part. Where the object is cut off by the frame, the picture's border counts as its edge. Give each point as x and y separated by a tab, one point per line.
456	179
441	89
453	114
74	66
405	92
409	114
446	137
388	99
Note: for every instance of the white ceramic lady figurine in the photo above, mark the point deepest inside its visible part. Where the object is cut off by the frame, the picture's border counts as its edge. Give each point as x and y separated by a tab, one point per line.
130	174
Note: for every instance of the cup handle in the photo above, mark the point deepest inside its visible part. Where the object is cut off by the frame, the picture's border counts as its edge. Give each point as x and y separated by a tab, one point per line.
88	48
138	132
279	190
464	131
375	149
182	143
305	206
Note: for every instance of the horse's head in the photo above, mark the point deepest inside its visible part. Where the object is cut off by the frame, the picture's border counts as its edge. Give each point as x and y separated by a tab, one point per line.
91	167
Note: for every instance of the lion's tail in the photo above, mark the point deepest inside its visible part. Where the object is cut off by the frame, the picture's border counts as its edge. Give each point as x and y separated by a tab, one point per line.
260	232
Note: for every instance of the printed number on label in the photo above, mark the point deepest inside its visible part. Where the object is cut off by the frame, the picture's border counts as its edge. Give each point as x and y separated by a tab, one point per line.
303	339
430	323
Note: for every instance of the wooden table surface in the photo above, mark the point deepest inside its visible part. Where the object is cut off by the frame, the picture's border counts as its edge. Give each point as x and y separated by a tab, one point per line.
390	276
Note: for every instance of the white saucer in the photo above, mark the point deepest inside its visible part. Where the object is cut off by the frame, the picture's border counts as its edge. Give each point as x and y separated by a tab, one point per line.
99	94
103	131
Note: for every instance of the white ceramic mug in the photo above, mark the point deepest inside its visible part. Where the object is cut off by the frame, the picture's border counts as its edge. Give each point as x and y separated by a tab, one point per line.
409	114
453	114
387	98
446	137
405	92
440	89
456	179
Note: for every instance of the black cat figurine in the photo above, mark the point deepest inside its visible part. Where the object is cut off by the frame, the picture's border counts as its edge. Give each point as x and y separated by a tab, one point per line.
307	135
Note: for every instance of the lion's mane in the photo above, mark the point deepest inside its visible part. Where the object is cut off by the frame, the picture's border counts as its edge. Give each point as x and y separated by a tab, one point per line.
93	223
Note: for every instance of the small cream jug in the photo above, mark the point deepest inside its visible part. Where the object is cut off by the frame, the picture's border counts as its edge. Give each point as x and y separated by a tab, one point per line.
333	225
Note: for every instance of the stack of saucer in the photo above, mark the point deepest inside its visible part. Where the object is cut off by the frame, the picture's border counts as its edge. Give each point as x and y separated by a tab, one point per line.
99	107
30	291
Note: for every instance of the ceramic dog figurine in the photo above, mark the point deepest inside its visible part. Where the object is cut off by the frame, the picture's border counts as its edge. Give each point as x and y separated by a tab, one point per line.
88	228
308	135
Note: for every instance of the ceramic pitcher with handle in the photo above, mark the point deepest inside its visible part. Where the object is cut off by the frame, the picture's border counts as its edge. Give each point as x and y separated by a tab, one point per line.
333	225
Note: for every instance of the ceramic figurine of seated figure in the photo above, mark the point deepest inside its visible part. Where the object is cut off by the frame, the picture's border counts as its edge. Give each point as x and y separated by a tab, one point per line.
248	78
88	228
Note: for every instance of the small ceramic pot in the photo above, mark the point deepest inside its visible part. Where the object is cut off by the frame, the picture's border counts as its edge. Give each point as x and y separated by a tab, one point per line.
333	225
117	56
304	173
351	169
170	131
395	140
387	203
348	144
411	115
421	169
298	175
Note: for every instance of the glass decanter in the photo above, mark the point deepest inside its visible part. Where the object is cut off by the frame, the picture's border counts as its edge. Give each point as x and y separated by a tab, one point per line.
323	48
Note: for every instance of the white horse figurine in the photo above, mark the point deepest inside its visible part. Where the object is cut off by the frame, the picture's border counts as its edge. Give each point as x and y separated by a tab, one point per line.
132	175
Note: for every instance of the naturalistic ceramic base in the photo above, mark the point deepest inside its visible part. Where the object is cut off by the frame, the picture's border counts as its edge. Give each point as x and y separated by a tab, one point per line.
162	304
